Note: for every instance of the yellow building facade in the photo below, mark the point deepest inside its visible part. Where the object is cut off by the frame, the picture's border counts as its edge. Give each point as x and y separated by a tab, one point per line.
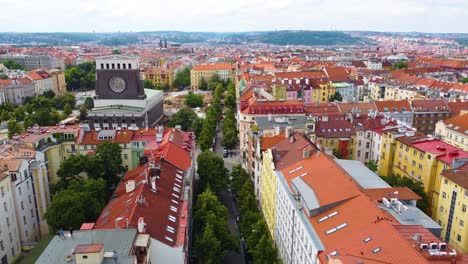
323	92
452	211
268	197
162	77
453	131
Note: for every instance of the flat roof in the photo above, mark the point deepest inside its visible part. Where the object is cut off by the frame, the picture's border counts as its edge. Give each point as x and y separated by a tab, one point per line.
151	93
361	174
120	240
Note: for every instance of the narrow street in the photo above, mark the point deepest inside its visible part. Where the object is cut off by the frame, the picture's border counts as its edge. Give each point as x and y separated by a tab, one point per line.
226	198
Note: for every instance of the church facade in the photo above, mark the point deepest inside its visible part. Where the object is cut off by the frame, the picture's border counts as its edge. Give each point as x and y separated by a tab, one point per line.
121	102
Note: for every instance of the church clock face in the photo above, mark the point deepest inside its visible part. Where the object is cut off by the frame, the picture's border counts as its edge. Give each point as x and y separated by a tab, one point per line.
117	84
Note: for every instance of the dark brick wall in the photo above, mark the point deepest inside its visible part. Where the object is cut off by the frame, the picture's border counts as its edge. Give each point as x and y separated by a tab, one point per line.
134	85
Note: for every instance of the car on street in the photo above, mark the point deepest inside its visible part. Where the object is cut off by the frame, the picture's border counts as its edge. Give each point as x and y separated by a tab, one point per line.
225	153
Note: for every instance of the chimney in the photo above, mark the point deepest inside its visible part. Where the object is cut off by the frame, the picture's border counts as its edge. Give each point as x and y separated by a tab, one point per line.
325	118
269	117
288	131
292	139
130	186
306	152
277	130
153	184
141	225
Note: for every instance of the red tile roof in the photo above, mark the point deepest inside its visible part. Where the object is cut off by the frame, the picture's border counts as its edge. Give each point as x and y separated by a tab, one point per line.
402	193
337	74
393	106
143	202
444	152
286	152
216	66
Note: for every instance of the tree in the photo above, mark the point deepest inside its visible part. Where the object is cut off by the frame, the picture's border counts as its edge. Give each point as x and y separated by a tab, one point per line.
209	213
19	113
89	103
14	128
83	113
12	65
148	84
395	180
81	202
81	76
182	78
184	117
400	65
73	168
196	126
207	247
372	165
49	94
67	110
337	153
194	100
264	251
464	80
3	77
212	172
336	97
110	154
230	102
203	85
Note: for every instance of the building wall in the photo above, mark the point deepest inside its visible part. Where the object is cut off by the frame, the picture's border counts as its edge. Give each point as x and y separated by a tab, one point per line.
387	154
324	93
163	77
293	232
425	122
16	93
376	147
24	200
38	170
458	237
364	146
268	197
10	248
454	138
162	253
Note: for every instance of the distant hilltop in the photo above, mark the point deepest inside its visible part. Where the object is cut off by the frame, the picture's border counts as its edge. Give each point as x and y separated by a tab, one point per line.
283	37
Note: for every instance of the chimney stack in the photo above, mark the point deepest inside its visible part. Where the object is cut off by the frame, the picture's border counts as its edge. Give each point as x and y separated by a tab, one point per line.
277	130
306	152
129	186
153	184
141	225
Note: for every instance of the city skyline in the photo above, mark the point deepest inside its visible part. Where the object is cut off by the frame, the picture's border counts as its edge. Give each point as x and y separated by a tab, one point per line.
240	16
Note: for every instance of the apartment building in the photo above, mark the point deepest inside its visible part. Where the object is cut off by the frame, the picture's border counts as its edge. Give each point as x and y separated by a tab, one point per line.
397	110
205	71
33	61
453	203
161	76
31	194
335	134
454	131
42	82
10	247
15	91
427	113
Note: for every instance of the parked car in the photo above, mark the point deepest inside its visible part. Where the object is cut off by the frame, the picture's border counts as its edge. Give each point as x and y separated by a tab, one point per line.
225	153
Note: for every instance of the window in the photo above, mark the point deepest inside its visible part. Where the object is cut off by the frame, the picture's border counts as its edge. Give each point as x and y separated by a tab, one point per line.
464	208
420	166
367	145
445	181
5	207
19	191
462	223
444	195
459	238
2	191
22	205
24	220
441	209
125	156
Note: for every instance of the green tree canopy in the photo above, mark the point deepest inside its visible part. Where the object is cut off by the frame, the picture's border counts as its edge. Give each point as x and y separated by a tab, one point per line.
182	78
212	172
110	154
80	203
89	103
400	65
184	117
3	77
203	85
194	100
12	65
395	180
464	80
372	165
336	97
148	84
81	76
14	128
196	126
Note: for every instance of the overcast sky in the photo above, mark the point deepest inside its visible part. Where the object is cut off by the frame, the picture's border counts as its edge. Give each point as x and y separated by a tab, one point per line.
232	15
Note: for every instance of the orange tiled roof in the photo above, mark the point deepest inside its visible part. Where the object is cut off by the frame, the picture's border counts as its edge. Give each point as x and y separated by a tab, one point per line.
403	193
392	105
458	124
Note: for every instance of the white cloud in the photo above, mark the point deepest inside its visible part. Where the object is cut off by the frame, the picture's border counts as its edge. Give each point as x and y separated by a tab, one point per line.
233	15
